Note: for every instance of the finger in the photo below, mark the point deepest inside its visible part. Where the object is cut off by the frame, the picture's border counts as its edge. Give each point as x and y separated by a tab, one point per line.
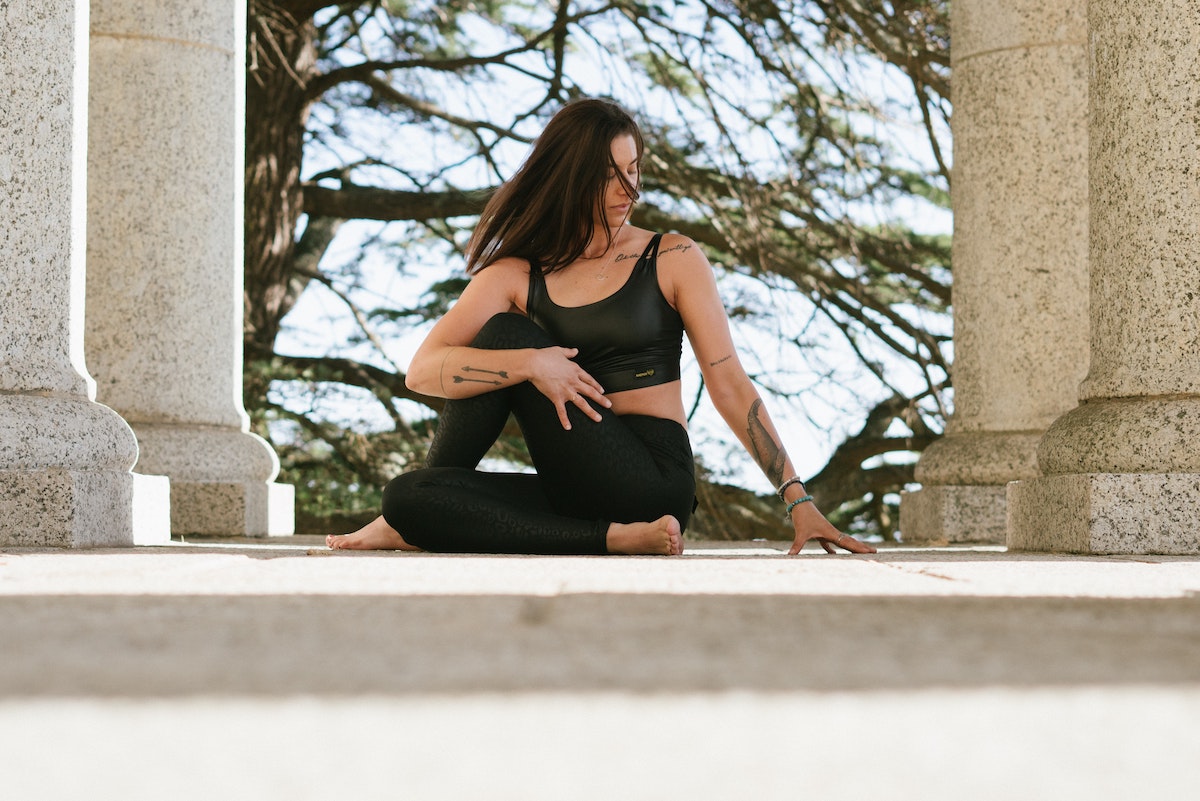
597	396
582	402
828	548
594	385
795	549
561	408
852	545
589	394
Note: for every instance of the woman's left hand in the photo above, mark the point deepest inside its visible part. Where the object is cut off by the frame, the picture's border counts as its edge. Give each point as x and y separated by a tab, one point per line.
810	524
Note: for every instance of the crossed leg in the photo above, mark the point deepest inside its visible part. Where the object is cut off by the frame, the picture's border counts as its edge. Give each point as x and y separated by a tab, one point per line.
661	537
464	502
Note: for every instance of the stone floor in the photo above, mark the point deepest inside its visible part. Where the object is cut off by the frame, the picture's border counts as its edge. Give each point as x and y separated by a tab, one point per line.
280	670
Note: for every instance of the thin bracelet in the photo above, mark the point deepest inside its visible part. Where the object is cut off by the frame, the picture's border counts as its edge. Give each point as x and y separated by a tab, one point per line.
787	516
788	483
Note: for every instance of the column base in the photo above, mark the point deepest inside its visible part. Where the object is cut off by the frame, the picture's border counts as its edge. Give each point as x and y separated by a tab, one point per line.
1106	513
233	509
83	509
944	515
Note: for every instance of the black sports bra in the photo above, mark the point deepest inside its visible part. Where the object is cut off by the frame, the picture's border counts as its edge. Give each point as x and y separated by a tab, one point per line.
633	338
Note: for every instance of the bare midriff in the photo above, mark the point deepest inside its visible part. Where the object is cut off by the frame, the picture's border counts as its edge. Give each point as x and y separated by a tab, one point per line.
662	400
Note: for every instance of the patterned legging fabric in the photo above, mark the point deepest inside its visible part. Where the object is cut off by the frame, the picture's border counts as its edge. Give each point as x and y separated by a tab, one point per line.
623	469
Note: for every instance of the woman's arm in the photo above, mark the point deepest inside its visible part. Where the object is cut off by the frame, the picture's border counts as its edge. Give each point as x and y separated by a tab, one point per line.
445	365
734	394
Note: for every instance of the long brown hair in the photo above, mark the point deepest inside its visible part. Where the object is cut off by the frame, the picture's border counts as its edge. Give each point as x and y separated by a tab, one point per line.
546	212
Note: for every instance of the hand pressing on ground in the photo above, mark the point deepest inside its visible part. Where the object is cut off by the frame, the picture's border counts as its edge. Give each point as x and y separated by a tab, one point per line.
810	524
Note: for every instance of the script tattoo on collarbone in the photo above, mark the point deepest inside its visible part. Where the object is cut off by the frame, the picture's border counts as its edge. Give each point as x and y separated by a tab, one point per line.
767	451
458	379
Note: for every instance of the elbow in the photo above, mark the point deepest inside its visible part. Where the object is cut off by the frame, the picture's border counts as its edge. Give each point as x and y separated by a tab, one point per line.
732	398
719	394
420	380
723	392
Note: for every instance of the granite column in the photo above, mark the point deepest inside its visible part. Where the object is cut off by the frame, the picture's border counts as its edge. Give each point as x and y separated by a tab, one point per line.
1121	473
164	333
1020	258
65	460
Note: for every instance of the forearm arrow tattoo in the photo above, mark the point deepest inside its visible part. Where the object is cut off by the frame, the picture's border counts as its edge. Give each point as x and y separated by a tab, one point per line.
458	379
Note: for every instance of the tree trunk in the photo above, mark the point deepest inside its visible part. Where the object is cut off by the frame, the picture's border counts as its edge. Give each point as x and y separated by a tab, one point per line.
282	60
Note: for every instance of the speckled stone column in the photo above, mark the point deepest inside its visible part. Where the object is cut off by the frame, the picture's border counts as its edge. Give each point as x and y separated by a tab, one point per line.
1122	471
1020	258
65	460
165	163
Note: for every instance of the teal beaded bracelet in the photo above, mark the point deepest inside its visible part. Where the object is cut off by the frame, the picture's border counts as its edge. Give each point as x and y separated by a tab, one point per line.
787	516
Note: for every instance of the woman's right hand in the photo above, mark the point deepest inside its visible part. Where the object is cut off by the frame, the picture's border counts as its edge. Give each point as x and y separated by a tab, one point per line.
565	382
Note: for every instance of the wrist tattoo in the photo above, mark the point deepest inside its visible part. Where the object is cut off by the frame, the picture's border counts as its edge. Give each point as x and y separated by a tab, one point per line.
719	361
766	451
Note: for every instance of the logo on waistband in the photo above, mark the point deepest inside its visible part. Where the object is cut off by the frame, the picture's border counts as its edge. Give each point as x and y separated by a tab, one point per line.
644	374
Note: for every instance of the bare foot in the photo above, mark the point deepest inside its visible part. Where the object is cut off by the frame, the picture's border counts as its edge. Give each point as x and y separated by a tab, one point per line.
374	536
660	537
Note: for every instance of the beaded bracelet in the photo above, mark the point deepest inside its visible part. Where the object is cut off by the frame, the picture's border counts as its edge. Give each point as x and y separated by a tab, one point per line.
788	483
787	516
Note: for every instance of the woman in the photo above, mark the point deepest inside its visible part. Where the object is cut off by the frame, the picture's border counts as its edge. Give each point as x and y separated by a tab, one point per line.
573	321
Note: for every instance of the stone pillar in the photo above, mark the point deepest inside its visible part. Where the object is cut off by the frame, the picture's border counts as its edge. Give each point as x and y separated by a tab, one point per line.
1121	473
1020	258
64	459
164	334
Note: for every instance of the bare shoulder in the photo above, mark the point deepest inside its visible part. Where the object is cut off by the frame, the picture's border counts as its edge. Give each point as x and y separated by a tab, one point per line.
506	269
507	277
681	261
683	271
680	252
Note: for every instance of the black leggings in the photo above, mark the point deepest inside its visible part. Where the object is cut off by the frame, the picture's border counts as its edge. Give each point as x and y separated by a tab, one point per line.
623	469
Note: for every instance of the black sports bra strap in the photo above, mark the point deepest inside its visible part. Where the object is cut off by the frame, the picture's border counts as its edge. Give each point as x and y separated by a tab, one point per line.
537	283
651	251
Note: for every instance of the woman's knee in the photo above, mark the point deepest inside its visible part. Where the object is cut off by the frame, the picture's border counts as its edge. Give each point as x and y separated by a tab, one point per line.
509	330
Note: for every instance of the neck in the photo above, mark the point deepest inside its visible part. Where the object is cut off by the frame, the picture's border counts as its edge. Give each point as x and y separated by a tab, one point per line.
600	242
